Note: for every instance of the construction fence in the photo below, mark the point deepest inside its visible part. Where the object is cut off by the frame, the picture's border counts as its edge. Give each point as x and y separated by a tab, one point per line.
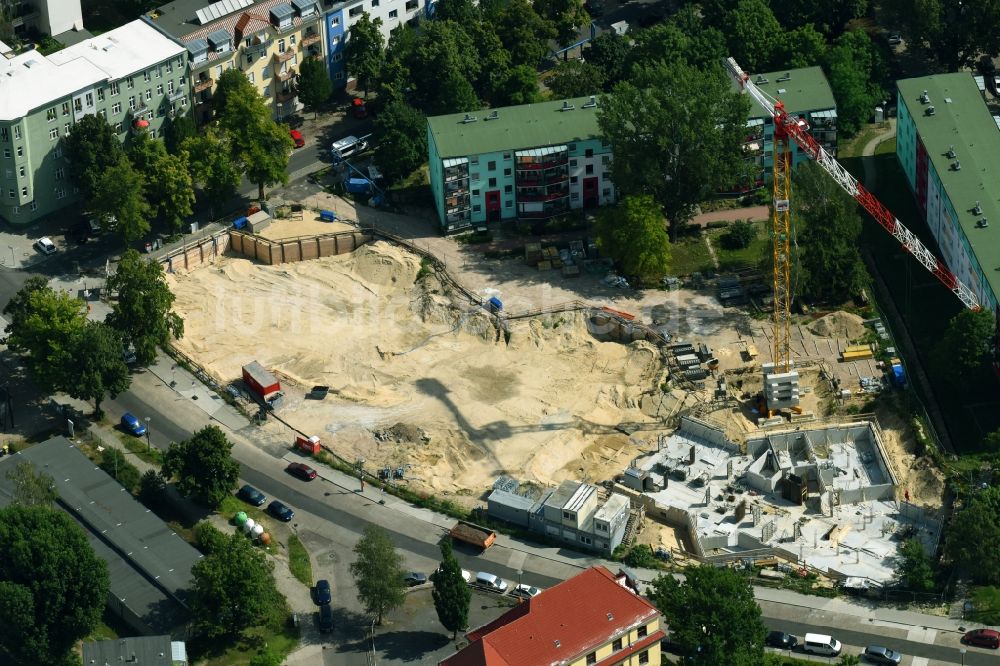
300	248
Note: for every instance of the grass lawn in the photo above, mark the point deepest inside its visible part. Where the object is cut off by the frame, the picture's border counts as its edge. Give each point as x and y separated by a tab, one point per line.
233	505
689	255
853	146
752	256
298	561
887	147
141	449
280	640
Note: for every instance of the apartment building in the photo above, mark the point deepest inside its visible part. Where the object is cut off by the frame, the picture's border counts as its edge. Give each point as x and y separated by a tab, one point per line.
948	145
127	75
267	41
573	513
43	17
341	16
592	619
805	93
533	161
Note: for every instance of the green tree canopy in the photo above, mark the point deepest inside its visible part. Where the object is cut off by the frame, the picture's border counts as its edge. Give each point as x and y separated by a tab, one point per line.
258	144
451	593
313	85
234	589
53	587
462	12
31	487
211	166
803	47
753	34
972	539
520	87
828	228
524	33
364	53
685	38
575	78
608	53
171	190
634	233
91	148
402	140
232	83
204	466
152	487
177	130
565	16
962	353
142	312
493	60
677	134
99	367
853	67
956	32
714	618
914	570
121	195
442	66
378	573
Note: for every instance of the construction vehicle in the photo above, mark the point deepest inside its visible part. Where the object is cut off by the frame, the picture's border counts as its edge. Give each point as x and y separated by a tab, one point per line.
786	128
480	537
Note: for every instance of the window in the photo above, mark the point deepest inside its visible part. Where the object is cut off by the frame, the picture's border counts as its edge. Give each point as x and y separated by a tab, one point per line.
159	89
145	76
100	94
506	156
573	179
103	113
291	40
338	76
475	193
131	103
572	163
589	153
475	209
54	133
50	114
24	191
17	131
281	46
170	87
169	67
90	99
149	95
335	22
334	42
65	108
474	175
6	152
589	169
60	194
507	189
605	160
374	4
115	88
248	42
616	645
337	57
491	165
16	210
249	58
60	174
66	129
152	133
4	134
493	182
412	4
20	151
506	172
641	631
572	146
509	204
20	171
118	128
592	658
57	153
606	191
644	657
356	11
116	108
567	515
394	13
12	194
250	77
129	83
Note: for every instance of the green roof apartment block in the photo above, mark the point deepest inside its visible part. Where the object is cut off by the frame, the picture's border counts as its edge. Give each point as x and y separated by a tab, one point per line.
533	161
127	75
948	145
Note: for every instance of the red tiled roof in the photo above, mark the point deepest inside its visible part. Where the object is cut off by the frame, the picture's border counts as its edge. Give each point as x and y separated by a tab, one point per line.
580	614
245	19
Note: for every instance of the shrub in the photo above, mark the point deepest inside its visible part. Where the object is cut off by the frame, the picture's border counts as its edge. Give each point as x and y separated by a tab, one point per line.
641	556
113	462
740	234
208	538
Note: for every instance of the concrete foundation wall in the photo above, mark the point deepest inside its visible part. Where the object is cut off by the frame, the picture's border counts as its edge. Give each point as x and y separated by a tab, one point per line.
295	249
884	491
692	427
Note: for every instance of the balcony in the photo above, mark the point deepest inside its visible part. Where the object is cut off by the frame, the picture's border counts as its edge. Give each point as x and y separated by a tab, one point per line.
203	84
457	185
547	211
457	218
309	40
530	165
541	178
285	75
542	196
458	202
284	95
284	56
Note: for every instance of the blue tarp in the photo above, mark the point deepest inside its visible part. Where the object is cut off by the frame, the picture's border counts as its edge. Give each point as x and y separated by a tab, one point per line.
358	185
240	222
495	304
899	375
327	216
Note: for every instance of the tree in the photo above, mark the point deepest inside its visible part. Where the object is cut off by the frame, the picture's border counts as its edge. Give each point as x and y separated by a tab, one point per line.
43	326
233	589
117	466
364	53
914	570
258	144
520	87
575	78
607	53
177	130
462	12
494	61
266	657
753	34
524	33
151	488
142	312
714	618
803	47
378	573
961	355
852	67
956	32
204	466
973	538
31	487
168	185
402	140
451	593
91	148
313	85
232	83
566	17
98	366
53	587
685	38
677	134
828	229
211	166
739	235
442	65
120	196
635	235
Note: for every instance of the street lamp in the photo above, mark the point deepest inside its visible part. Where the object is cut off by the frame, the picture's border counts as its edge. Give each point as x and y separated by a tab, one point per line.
962	652
11	248
148	446
373	640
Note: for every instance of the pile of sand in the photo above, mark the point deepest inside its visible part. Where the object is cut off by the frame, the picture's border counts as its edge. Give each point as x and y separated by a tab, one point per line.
838	325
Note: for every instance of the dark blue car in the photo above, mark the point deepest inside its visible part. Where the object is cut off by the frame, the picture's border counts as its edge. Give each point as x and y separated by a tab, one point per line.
280	511
251	495
133	425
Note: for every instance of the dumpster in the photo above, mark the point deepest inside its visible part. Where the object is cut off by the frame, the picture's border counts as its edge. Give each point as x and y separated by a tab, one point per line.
319	392
495	304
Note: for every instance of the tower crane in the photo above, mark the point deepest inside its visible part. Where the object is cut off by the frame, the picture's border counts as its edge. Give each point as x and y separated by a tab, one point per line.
787	127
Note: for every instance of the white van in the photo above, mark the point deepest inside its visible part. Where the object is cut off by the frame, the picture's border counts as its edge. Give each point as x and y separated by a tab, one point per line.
346	147
821	644
491	582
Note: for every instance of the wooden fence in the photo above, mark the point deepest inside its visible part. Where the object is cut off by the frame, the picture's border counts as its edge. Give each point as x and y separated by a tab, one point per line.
300	248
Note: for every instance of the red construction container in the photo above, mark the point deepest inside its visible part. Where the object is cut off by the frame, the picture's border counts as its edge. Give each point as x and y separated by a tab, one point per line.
308	445
259	380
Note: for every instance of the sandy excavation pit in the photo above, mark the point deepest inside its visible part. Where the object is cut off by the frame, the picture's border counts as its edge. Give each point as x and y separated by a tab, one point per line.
541	408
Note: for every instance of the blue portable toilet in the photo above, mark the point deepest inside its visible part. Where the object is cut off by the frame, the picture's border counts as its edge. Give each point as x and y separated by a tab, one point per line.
327	216
240	222
899	375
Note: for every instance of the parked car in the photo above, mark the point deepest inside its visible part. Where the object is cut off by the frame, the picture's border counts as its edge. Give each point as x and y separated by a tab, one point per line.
128	356
326	618
525	591
875	654
301	470
280	511
466	575
821	644
491	582
297	138
895	39
344	148
414	578
781	640
321	593
989	638
45	245
133	425
251	495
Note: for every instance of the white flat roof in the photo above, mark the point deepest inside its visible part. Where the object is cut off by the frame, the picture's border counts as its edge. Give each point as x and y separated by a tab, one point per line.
123	51
31	80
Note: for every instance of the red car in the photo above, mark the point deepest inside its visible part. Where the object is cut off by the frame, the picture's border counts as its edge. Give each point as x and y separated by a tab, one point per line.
358	108
989	638
297	138
304	472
